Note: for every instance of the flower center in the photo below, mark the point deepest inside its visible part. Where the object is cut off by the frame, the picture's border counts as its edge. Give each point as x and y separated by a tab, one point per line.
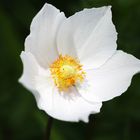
66	72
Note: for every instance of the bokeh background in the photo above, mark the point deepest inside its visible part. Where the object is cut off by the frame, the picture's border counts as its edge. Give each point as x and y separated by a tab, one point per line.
20	119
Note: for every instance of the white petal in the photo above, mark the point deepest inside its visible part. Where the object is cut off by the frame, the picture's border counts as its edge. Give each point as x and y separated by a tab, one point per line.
42	40
68	106
89	35
31	70
112	79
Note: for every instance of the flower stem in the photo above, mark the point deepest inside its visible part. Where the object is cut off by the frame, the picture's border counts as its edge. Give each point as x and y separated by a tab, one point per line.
90	128
48	128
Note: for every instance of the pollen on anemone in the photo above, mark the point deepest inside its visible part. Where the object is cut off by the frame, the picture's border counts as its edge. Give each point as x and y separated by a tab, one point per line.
71	65
66	72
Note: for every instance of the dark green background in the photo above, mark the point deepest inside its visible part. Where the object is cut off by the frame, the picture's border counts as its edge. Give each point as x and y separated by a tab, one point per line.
20	119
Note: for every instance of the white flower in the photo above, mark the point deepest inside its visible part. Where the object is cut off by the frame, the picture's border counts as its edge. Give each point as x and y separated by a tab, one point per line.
71	65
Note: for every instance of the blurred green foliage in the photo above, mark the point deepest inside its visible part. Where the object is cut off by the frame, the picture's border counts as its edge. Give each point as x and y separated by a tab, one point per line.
20	119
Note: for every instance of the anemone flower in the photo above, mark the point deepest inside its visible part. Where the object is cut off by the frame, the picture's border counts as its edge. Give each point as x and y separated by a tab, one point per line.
71	65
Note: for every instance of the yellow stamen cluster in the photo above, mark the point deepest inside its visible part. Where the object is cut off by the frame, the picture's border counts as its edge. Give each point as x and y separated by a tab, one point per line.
66	71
